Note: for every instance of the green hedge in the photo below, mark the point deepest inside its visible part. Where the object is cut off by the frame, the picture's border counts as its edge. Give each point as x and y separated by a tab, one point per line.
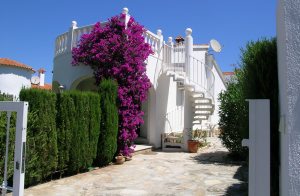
41	155
107	145
86	129
63	132
65	125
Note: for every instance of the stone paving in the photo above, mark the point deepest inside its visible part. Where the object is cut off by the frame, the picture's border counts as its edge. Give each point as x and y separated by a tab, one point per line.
157	173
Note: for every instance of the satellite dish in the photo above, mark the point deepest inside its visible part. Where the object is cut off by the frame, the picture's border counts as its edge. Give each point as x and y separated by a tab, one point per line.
35	80
215	45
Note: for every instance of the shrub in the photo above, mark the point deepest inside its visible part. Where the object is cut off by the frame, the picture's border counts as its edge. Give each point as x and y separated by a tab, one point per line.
107	144
232	115
41	154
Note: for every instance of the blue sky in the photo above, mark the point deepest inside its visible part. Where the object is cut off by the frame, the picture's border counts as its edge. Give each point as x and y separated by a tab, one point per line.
28	28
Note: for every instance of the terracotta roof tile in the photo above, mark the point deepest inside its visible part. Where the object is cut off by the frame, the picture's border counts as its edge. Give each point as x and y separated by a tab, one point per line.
228	73
45	87
13	63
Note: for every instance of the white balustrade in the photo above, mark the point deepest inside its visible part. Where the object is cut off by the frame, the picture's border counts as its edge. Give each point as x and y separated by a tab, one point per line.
61	43
175	57
153	40
71	37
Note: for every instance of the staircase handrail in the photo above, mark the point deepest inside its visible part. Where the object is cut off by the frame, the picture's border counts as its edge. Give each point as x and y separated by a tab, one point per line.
206	80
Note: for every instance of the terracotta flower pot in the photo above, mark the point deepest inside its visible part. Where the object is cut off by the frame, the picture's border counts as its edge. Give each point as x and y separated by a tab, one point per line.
193	146
120	159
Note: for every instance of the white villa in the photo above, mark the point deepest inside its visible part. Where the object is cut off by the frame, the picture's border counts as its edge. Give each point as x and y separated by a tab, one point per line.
186	81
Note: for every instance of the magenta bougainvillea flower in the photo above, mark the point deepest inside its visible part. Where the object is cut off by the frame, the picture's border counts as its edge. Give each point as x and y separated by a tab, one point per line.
116	52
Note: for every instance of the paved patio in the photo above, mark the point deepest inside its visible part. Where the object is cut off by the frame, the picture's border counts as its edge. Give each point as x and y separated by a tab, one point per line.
157	173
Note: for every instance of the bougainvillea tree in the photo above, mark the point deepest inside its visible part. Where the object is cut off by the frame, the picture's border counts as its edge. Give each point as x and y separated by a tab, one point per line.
116	52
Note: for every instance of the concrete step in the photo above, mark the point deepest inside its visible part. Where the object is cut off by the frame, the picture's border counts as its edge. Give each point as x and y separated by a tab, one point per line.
203	107
197	95
141	149
202	100
202	104
201	117
196	121
205	112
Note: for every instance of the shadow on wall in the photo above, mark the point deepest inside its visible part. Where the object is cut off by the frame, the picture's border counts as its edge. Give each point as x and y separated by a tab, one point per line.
224	158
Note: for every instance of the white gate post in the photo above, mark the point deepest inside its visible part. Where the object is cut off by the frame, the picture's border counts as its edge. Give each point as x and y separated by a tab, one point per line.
20	143
259	147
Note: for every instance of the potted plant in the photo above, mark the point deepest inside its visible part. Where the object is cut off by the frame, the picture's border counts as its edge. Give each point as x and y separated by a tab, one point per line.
193	143
120	159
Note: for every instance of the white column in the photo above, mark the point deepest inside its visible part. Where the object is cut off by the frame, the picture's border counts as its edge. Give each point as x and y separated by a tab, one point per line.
71	35
259	147
188	51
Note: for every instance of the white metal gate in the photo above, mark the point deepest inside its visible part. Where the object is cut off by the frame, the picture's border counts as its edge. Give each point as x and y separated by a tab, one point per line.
20	145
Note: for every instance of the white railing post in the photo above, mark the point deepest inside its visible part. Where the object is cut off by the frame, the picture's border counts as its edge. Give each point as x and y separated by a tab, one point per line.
127	16
161	40
188	51
259	147
71	36
169	52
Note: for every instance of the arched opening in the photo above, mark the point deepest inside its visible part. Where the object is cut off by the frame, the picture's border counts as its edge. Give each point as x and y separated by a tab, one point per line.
86	84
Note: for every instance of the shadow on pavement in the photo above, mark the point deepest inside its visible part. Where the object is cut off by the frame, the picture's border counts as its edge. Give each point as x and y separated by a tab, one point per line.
223	158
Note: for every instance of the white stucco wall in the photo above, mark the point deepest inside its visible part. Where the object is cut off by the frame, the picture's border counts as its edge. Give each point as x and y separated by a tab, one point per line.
67	74
13	79
219	87
288	43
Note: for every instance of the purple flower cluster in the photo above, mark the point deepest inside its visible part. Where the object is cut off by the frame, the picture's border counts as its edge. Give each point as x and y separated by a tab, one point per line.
116	52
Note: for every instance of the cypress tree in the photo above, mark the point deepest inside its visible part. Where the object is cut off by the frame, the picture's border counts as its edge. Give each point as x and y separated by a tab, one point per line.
107	143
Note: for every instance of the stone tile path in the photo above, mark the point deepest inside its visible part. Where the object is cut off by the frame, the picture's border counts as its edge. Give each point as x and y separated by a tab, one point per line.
157	173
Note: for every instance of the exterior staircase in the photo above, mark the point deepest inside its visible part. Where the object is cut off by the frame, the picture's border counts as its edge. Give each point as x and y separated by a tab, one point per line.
203	106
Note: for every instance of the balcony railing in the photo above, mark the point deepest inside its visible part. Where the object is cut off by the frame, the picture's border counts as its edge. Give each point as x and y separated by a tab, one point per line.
196	72
66	41
174	58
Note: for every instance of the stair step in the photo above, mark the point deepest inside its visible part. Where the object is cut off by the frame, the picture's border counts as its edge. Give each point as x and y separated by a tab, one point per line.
203	106
206	113
142	149
197	122
202	117
198	95
203	111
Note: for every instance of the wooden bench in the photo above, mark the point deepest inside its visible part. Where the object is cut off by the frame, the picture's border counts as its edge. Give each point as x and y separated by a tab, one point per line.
172	141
